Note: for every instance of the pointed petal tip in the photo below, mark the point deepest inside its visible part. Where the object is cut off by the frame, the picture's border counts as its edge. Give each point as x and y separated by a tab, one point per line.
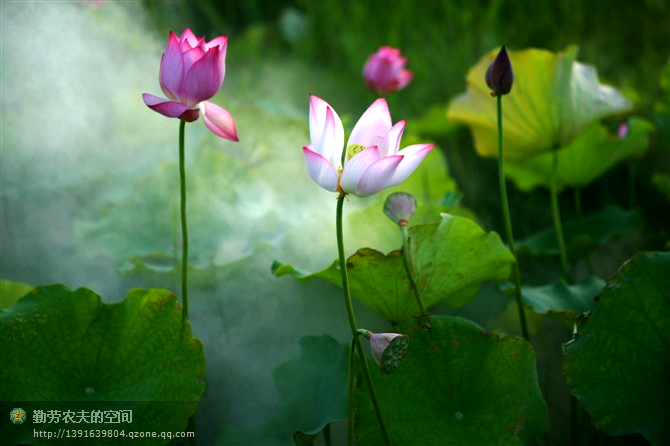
320	170
220	122
171	109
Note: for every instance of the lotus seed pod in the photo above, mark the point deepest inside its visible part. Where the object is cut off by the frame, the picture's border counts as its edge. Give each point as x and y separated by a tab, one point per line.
388	350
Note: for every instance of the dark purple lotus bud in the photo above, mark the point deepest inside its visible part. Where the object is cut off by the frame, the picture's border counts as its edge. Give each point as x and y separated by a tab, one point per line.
499	75
399	207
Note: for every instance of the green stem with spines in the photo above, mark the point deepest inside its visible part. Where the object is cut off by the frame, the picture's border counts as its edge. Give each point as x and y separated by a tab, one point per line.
508	224
352	321
184	228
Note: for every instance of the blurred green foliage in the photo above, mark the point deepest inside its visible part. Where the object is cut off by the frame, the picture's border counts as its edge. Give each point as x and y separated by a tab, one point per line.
626	40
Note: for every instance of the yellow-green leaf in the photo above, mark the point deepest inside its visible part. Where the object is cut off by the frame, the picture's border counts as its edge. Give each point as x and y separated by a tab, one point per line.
584	159
554	99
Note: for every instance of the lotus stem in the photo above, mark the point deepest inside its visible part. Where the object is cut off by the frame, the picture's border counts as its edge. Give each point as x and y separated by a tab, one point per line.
350	395
184	228
555	210
352	323
415	290
508	223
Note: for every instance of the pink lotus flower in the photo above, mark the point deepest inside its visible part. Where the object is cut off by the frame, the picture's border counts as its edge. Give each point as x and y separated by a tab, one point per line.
372	161
385	71
192	71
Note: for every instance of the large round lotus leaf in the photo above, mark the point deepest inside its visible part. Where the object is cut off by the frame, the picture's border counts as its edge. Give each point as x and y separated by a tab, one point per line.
65	350
553	99
583	160
449	260
457	385
618	367
10	292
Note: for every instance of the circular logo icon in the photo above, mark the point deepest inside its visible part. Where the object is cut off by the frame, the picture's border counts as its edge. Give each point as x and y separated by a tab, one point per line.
17	415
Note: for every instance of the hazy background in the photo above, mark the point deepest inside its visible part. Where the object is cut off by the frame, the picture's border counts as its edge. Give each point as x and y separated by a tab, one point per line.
88	174
89	191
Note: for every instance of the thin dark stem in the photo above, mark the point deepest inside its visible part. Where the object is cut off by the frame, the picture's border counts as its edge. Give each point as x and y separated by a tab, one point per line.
352	322
508	224
191	427
578	202
412	283
326	435
631	183
556	212
175	235
350	399
184	229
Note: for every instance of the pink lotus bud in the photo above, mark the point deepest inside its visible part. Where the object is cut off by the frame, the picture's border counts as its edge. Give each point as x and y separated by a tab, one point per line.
623	130
387	349
400	207
499	75
191	72
385	71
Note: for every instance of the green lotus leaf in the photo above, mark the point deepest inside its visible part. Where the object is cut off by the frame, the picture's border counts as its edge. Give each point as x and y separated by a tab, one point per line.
303	439
560	297
377	280
584	159
554	99
456	385
65	350
313	387
450	260
11	292
619	364
661	182
312	390
583	235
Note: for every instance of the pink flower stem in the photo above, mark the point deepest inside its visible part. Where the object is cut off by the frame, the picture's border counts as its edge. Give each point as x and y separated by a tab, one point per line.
508	223
352	323
184	229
